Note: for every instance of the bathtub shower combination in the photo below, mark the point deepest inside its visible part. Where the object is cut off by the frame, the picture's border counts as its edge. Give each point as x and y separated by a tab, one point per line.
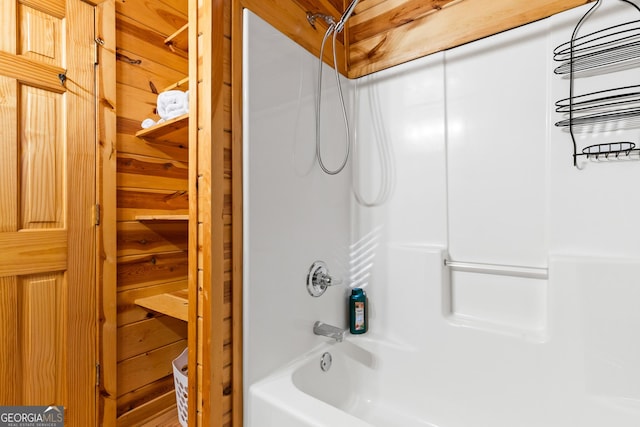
502	281
336	385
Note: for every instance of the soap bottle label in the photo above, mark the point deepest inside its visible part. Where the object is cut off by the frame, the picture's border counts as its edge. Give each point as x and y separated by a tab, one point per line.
359	320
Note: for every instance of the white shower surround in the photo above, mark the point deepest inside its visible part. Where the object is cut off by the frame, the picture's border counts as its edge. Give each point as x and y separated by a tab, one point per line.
479	177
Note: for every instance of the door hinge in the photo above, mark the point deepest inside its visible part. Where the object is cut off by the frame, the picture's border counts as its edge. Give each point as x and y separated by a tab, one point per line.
97	374
96	213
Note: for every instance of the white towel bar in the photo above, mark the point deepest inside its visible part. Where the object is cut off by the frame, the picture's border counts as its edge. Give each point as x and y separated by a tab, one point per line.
504	270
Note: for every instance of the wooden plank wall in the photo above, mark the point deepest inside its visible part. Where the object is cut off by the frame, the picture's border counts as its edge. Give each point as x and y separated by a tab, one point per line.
214	357
382	34
151	179
106	234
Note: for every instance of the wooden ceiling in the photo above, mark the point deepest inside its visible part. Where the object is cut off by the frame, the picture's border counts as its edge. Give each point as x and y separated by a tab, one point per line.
384	33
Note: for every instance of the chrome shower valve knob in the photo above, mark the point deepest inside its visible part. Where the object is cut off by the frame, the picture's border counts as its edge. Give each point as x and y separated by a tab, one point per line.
319	279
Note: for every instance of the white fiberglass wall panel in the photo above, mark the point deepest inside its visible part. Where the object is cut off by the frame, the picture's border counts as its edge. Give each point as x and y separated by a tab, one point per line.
294	213
593	210
496	148
400	119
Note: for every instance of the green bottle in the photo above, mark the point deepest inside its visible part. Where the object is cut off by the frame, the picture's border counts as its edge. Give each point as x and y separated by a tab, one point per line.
358	313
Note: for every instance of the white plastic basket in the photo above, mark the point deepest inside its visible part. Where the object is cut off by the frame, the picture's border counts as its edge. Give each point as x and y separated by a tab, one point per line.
180	379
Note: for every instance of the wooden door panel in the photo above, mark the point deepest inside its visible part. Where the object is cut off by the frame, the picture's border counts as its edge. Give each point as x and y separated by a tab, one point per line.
42	146
32	72
42	334
47	196
9	342
33	252
9	153
40	35
80	198
57	8
33	336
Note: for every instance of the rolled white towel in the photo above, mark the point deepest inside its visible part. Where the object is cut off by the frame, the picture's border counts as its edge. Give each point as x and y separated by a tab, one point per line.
172	103
147	123
174	110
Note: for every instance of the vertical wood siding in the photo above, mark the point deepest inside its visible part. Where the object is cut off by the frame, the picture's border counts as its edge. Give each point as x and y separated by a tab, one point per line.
214	358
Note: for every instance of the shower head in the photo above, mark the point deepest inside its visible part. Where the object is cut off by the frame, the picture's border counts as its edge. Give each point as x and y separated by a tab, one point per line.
345	16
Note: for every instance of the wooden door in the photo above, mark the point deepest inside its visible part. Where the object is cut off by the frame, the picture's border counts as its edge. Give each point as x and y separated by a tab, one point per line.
47	199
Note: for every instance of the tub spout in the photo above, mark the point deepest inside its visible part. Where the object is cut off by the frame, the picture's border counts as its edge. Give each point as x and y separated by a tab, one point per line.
325	330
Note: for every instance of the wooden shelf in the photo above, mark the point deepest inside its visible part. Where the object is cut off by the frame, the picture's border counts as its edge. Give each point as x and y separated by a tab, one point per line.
162	217
180	85
178	42
174	304
174	130
168	418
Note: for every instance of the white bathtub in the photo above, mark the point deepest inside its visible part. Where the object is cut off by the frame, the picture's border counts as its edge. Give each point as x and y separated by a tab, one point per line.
350	394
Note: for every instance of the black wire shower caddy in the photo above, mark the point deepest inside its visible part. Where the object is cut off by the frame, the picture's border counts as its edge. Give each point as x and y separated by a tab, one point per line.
609	49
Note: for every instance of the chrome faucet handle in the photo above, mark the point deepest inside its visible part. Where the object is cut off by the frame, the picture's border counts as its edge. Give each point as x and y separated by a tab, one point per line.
326	280
319	279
